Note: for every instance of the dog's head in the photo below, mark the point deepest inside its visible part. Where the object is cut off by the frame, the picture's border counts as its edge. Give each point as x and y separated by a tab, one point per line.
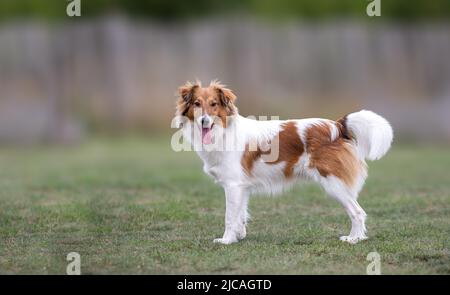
206	106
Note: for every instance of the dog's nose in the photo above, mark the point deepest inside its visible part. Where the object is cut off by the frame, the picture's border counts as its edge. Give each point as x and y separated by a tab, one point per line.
205	121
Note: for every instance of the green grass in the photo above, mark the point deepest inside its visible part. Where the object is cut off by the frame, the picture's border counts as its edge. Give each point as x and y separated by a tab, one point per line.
134	206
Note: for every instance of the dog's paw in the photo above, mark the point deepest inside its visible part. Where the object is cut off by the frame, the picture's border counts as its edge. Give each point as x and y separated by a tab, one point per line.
242	233
225	241
352	239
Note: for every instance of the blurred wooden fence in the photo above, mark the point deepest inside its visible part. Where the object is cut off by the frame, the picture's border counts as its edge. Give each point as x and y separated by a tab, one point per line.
112	74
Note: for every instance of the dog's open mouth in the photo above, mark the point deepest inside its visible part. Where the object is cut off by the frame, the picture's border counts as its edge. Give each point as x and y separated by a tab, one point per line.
207	135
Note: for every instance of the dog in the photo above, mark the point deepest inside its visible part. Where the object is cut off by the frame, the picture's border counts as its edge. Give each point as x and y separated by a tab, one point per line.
246	156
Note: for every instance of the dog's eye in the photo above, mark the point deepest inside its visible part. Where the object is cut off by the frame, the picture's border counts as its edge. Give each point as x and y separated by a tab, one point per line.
213	104
197	103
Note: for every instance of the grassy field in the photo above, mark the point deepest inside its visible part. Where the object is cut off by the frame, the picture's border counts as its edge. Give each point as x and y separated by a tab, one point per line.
134	206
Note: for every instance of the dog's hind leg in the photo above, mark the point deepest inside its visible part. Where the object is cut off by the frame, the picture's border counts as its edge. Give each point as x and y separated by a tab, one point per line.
358	217
336	189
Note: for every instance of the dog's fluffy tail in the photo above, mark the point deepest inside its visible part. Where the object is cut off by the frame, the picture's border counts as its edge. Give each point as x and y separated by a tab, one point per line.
371	133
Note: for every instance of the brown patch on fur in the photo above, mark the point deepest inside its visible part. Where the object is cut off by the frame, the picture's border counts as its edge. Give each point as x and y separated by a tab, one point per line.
332	157
214	100
249	158
290	150
341	124
291	147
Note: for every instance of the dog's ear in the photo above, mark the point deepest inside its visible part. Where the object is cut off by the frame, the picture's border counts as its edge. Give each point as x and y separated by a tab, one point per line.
226	96
186	97
186	91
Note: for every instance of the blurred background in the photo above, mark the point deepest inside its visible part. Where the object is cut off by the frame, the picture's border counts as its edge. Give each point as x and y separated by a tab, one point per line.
114	70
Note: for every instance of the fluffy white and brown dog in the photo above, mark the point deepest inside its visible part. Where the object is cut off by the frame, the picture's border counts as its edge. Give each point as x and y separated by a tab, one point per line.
246	156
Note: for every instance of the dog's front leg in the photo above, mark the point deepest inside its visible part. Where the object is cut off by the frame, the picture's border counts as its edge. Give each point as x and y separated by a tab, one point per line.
235	201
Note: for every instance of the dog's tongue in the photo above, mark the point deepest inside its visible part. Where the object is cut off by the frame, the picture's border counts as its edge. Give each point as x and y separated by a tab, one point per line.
206	135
